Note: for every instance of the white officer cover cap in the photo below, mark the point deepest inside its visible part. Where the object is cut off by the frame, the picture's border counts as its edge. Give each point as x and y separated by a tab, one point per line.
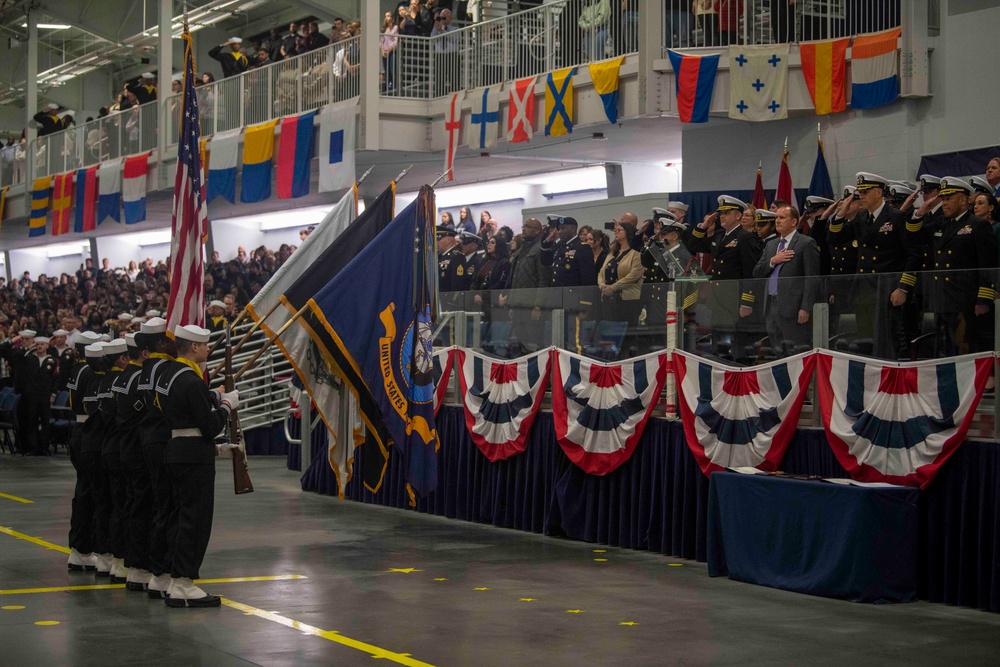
730	203
951	185
193	333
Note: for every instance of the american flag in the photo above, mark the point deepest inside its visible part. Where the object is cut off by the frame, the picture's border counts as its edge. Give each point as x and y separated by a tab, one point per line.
190	213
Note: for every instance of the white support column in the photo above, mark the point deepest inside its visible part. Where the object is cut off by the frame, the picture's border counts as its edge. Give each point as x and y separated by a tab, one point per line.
370	63
650	49
165	53
31	90
670	387
914	63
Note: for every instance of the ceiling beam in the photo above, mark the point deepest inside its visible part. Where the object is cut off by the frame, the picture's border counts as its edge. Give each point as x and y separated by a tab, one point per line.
58	12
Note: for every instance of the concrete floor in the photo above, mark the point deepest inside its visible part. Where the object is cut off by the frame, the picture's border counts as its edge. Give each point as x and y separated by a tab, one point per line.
412	589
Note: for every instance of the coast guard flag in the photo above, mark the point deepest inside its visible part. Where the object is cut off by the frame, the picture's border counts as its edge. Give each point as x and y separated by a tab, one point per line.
484	121
758	82
84	219
600	410
895	422
225	149
452	128
258	149
604	74
874	69
559	102
336	148
380	324
109	190
444	359
62	199
694	82
521	111
40	191
741	417
134	188
295	156
501	399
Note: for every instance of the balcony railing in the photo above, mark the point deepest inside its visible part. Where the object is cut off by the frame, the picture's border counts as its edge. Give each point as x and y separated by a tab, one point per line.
710	24
528	43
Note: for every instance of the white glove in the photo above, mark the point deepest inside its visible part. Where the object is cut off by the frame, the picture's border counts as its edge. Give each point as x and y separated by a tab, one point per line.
225	450
232	398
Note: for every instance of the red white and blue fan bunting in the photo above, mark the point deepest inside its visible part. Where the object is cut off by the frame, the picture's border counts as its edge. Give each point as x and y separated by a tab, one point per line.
895	422
600	410
741	417
501	399
443	358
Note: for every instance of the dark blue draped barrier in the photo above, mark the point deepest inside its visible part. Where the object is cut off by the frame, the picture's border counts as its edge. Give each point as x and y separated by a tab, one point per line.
266	441
958	163
658	500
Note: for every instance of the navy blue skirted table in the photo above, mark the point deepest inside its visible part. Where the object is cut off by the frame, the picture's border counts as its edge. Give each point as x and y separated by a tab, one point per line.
852	542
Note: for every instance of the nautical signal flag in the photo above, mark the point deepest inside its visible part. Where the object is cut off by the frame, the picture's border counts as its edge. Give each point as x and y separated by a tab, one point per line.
336	148
484	121
258	149
84	219
134	188
758	82
559	102
62	199
604	75
224	148
521	111
452	130
874	69
295	156
40	191
109	190
824	66
694	82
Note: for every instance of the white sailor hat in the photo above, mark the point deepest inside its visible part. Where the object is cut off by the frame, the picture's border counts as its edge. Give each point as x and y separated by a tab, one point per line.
105	338
130	340
764	215
679	205
154	325
153	313
867	181
663	215
60	332
900	189
147	75
115	348
192	332
94	351
138	319
980	184
86	338
235	40
953	185
27	333
177	77
929	182
730	203
125	317
215	303
815	201
849	190
51	106
41	339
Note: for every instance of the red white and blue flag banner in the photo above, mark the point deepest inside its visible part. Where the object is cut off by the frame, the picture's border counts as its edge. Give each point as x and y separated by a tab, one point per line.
600	410
741	417
444	359
898	422
501	399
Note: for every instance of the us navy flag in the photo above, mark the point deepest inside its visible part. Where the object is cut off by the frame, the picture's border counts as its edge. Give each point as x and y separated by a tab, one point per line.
379	320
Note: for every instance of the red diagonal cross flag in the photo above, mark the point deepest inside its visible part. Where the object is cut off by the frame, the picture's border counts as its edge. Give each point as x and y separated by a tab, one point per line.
453	128
521	111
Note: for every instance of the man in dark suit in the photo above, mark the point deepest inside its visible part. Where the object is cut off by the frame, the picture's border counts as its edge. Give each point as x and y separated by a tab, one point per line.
790	265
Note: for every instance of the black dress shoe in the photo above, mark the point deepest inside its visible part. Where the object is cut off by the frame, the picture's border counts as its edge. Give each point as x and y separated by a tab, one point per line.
136	586
80	568
156	595
119	580
207	601
105	573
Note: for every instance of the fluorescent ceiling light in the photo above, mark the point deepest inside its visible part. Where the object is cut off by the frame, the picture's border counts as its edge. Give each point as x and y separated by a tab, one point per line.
158	237
266	222
50	26
65	249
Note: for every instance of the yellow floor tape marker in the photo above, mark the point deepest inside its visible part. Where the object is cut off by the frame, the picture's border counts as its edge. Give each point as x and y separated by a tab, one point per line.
105	587
34	540
331	635
18	499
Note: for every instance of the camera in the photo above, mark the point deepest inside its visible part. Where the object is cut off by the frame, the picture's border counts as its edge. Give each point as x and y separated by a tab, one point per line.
554	220
610	226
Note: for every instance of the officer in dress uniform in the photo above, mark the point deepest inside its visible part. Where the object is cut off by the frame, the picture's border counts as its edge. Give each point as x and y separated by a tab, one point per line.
980	186
145	89
216	320
195	418
664	259
129	410
91	441
154	433
116	354
447	245
889	246
81	544
764	228
734	252
465	264
964	255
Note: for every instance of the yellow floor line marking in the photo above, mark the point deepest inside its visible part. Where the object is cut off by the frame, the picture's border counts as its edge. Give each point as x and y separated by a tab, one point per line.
34	540
18	499
331	635
105	587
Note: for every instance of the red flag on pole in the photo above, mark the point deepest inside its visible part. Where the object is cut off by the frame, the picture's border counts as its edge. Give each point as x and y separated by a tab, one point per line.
190	214
785	189
759	198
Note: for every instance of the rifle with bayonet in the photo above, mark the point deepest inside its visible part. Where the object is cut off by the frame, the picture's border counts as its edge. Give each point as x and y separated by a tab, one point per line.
241	470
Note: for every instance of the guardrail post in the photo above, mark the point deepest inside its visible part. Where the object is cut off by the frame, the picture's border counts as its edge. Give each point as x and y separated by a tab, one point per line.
559	328
477	331
821	339
306	436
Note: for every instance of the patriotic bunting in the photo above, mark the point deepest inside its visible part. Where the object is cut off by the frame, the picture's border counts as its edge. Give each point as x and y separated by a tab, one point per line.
758	82
444	359
452	129
85	219
559	102
134	188
600	410
62	199
484	121
605	77
521	111
898	422
741	417
501	399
